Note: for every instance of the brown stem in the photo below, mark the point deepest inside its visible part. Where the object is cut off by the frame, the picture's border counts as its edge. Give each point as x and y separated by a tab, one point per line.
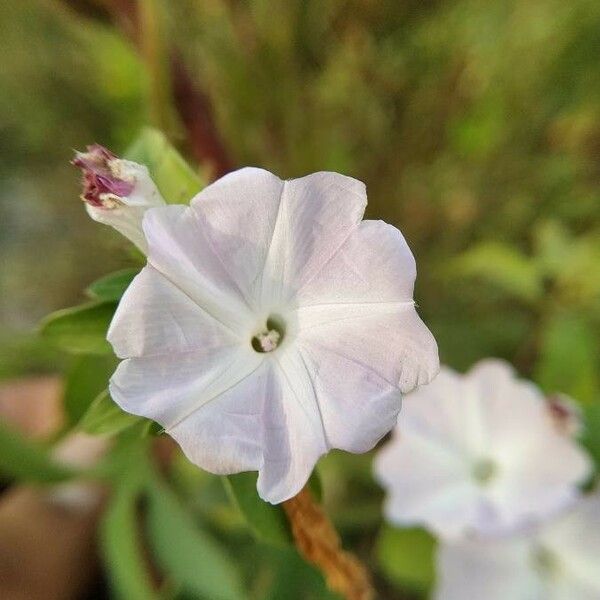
319	543
196	113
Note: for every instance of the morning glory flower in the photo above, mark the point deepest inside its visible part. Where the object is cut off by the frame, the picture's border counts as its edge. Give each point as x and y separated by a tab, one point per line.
479	452
559	561
270	325
117	192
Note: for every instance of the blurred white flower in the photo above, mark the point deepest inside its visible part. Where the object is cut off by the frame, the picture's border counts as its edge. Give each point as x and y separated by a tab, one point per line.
559	561
270	326
478	453
117	192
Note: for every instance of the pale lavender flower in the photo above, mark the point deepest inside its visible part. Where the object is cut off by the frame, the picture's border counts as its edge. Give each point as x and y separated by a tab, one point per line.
271	325
478	453
560	560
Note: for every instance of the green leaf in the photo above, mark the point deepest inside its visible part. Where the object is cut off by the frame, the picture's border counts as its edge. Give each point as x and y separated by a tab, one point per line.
292	578
187	553
175	179
87	378
406	557
104	417
81	329
267	522
120	543
315	485
501	266
111	287
568	360
27	461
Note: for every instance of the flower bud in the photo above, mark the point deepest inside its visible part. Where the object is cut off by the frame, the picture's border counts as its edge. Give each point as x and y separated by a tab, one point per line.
117	192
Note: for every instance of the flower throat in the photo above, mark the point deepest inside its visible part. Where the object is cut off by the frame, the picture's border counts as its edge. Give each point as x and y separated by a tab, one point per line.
270	337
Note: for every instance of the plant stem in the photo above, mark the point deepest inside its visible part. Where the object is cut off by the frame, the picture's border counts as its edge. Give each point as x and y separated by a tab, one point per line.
153	50
319	543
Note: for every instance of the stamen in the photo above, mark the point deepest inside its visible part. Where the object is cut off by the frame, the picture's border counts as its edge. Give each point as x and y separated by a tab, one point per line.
484	471
268	341
271	337
110	201
545	561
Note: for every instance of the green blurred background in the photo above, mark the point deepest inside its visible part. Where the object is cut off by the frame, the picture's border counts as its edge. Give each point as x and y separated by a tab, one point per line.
475	125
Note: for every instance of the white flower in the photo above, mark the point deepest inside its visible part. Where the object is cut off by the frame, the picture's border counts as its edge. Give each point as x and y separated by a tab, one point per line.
478	452
271	325
117	192
560	561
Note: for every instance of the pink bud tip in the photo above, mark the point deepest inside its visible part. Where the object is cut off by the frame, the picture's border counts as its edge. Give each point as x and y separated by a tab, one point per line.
98	178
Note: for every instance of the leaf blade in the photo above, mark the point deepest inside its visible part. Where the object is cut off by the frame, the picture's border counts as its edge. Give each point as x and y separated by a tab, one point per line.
120	547
87	378
105	417
267	522
81	329
111	287
186	552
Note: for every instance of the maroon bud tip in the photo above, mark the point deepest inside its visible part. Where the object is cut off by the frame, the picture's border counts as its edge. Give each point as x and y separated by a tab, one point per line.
564	413
98	178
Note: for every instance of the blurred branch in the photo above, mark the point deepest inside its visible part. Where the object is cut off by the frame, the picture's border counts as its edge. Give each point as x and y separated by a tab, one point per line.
192	104
196	113
152	45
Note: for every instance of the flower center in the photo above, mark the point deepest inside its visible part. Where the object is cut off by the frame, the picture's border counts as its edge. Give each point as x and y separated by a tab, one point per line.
545	561
270	337
484	471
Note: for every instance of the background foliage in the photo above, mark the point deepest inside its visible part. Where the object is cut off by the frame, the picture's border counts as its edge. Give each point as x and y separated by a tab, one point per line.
476	126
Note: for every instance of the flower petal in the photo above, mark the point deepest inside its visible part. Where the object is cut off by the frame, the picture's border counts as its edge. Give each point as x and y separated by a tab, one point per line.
543	481
374	265
169	388
154	317
271	235
445	413
292	434
575	540
357	406
362	302
237	215
430	483
490	570
259	425
389	340
230	412
316	215
179	248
